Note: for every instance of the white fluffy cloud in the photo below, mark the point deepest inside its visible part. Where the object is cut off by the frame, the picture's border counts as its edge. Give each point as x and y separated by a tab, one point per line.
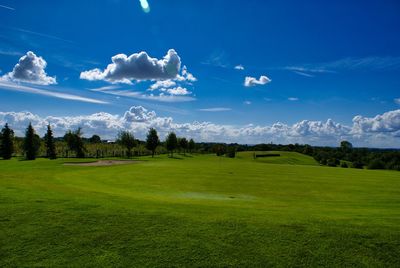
162	84
30	69
252	81
379	131
138	66
239	67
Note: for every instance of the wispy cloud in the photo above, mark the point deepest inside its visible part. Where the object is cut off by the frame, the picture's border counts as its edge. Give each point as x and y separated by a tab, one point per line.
38	34
141	96
397	101
44	92
7	7
247	102
215	109
347	64
10	53
293	99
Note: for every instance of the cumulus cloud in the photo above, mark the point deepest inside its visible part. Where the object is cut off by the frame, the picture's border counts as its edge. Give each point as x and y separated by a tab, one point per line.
252	81
379	131
162	84
239	67
186	76
138	66
30	69
176	91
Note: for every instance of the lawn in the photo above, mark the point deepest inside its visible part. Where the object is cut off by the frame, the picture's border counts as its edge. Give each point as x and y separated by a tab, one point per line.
199	210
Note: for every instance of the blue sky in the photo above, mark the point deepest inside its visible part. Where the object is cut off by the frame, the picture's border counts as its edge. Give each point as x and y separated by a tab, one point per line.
323	60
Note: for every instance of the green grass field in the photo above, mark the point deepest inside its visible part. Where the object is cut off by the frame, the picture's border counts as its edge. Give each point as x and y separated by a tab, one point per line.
196	211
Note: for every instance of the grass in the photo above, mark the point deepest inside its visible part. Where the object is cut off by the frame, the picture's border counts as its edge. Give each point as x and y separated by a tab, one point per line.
198	211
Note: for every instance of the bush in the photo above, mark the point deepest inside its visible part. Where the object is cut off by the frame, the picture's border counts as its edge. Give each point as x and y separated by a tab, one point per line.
358	164
376	164
344	165
231	152
332	162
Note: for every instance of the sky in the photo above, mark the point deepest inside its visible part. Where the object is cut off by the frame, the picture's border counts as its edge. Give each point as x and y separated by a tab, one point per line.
314	72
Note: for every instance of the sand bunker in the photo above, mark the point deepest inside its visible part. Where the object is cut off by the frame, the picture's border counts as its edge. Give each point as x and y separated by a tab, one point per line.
102	163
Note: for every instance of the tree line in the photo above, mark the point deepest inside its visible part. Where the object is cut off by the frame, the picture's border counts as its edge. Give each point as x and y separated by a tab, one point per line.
74	144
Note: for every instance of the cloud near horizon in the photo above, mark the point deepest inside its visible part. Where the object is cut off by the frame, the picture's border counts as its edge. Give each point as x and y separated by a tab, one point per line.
380	131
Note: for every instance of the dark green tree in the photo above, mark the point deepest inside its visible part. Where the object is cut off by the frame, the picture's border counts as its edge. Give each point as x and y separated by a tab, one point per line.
75	142
126	139
346	147
95	139
152	141
6	142
171	143
191	145
31	143
183	143
50	144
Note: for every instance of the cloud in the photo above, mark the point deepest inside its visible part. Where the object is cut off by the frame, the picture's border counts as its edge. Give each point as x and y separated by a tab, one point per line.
239	67
347	64
162	84
397	101
7	7
186	76
293	99
247	102
252	81
177	91
379	131
138	95
215	109
38	91
30	69
388	122
138	66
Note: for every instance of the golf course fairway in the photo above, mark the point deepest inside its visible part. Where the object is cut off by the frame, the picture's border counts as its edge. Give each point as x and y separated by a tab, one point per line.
198	211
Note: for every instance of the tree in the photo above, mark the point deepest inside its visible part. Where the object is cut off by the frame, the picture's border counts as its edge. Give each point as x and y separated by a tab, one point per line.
346	147
95	139
75	142
171	143
50	144
152	141
31	143
183	143
191	145
7	142
126	139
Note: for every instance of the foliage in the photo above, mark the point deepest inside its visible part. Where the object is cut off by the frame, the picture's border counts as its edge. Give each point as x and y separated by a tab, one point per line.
50	144
183	144
95	139
75	142
152	141
171	143
126	139
6	142
31	143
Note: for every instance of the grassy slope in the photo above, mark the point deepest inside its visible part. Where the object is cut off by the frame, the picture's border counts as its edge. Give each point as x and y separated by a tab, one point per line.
290	158
202	211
